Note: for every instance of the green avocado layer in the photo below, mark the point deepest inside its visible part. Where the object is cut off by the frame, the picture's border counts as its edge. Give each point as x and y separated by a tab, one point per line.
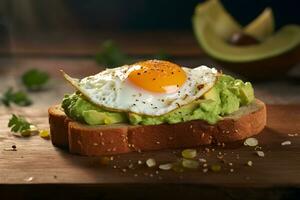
225	97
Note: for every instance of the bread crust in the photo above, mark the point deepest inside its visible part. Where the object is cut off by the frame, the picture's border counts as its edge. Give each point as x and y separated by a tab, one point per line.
123	138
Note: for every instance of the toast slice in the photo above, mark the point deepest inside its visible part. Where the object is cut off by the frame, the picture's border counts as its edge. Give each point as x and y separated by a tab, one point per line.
123	138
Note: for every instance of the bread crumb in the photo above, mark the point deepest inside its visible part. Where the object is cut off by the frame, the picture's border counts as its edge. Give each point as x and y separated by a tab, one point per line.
293	135
230	164
166	166
130	166
124	170
250	163
171	138
231	170
260	153
286	143
202	160
157	142
205	170
95	144
29	179
252	142
140	162
150	162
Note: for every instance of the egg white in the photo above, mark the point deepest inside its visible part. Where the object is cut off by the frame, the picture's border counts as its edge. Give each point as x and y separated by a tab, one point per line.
111	89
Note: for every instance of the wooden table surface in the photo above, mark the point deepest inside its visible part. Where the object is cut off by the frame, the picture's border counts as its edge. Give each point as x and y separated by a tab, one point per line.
36	162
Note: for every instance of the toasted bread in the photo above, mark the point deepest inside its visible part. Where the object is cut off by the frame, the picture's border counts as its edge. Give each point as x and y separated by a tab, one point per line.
123	138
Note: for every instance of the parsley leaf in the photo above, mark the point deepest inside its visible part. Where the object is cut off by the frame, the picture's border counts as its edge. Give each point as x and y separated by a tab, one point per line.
111	55
18	124
34	79
19	97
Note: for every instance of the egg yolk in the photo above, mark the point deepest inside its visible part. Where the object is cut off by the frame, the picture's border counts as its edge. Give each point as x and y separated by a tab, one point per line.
157	76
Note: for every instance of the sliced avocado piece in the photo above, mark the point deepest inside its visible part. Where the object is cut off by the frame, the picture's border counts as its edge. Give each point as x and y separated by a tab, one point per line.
93	117
261	27
212	94
246	93
214	41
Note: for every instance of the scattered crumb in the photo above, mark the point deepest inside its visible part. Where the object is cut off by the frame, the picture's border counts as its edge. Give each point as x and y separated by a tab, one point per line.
190	164
205	170
260	153
257	148
230	164
293	135
231	170
135	175
286	143
250	163
124	170
130	166
150	162
252	142
29	179
44	134
189	153
140	162
202	160
166	166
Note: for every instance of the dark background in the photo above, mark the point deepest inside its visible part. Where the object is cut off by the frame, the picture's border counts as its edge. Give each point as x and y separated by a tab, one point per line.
36	15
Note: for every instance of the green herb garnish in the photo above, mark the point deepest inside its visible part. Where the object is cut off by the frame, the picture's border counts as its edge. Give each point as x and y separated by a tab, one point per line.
18	124
19	97
34	79
162	56
111	55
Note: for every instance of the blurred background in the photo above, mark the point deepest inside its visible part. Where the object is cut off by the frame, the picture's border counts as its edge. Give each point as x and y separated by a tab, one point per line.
257	40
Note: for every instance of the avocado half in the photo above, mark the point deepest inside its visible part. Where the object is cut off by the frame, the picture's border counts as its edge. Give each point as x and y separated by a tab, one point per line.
274	55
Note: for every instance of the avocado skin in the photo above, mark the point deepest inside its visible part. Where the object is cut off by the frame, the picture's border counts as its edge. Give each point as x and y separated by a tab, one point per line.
268	68
225	97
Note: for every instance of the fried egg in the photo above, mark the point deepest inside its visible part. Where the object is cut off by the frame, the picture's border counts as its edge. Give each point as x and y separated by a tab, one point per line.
151	87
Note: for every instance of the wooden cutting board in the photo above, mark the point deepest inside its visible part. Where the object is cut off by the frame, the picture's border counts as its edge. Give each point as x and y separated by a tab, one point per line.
36	161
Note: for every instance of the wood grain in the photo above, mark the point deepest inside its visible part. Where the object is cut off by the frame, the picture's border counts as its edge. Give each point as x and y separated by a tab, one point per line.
37	161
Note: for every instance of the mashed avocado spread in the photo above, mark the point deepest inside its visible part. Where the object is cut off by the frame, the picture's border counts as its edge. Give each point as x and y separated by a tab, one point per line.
225	97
